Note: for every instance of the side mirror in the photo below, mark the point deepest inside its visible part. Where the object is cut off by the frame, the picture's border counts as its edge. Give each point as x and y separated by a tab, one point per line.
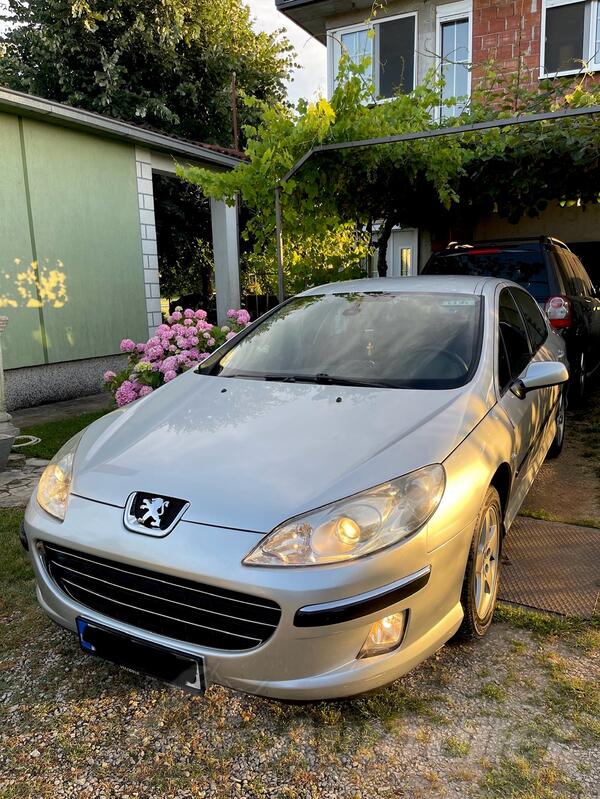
540	374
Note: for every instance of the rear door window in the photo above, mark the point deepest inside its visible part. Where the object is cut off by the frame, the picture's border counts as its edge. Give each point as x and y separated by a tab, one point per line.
582	279
523	265
513	338
534	321
566	270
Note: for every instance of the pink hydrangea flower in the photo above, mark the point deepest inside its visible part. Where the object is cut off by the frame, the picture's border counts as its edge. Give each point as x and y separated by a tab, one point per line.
188	313
169	364
177	316
229	336
153	353
203	355
200	315
170	375
141	348
181	342
188	321
126	393
211	342
225	329
127	345
108	376
232	313
145	390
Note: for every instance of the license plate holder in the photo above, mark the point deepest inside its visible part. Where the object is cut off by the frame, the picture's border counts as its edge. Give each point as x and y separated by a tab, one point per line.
154	660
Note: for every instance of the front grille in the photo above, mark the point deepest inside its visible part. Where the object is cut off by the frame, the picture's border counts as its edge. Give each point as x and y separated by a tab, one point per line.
182	609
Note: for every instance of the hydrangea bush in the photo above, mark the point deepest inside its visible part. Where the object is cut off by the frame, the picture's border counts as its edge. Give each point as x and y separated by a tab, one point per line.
182	341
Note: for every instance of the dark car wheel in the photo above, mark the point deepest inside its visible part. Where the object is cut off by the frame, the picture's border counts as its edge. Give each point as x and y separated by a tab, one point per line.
578	380
559	436
482	576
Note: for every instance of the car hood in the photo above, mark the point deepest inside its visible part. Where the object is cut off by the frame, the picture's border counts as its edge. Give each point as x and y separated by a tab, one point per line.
249	454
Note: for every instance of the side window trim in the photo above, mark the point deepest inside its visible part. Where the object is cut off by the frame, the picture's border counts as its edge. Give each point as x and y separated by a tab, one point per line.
512	291
502	389
500	339
515	294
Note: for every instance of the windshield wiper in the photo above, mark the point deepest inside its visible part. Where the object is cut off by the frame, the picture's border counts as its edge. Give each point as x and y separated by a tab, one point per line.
327	380
321	379
331	380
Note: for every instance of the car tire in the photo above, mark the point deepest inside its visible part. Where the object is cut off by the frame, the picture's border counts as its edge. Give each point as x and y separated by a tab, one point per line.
578	381
482	575
559	437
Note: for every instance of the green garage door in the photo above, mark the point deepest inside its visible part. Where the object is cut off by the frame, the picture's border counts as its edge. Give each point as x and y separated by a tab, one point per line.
83	219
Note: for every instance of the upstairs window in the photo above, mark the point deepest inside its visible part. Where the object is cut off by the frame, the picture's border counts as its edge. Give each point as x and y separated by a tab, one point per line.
454	53
391	47
571	36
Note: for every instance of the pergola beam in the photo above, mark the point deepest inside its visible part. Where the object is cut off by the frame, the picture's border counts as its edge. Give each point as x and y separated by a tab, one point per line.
453	130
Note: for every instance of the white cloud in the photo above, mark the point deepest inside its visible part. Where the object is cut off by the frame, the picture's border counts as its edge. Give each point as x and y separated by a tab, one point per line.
310	79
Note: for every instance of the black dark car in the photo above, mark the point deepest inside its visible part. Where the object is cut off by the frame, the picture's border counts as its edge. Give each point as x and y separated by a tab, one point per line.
553	275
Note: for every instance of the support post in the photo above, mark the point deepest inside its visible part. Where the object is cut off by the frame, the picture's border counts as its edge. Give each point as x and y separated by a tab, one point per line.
224	223
279	244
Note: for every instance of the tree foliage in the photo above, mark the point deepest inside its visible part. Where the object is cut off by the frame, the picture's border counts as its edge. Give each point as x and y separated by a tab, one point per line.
163	64
166	64
436	183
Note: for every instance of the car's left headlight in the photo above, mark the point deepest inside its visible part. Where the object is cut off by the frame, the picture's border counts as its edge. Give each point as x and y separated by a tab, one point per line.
55	483
356	526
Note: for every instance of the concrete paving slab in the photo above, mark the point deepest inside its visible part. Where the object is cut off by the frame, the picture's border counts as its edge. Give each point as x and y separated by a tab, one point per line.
56	411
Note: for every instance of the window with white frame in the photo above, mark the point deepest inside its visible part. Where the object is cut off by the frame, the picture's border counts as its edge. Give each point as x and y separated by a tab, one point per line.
453	48
571	36
390	43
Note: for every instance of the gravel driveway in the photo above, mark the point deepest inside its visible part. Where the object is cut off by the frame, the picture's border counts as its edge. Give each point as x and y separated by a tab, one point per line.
516	715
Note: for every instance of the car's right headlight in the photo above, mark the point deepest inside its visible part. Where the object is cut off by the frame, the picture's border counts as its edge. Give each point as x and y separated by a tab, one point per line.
355	526
55	483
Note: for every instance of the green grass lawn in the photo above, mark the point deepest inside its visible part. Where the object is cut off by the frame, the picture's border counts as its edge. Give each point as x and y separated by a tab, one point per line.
54	434
17	591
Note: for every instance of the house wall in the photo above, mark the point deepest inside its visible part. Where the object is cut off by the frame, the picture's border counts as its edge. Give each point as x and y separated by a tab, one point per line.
571	224
426	28
507	32
69	198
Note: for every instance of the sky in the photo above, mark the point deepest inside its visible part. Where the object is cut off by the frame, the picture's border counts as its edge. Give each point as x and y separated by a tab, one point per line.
310	79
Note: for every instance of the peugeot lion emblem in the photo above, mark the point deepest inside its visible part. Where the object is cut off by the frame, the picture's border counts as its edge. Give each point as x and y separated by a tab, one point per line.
154	508
153	515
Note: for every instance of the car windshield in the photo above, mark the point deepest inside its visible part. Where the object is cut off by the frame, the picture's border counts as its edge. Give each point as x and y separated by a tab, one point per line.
520	264
384	339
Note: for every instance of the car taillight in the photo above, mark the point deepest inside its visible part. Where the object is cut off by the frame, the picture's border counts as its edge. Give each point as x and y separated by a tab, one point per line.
558	311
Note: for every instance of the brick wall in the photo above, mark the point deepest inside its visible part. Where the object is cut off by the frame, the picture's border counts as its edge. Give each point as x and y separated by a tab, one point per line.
506	31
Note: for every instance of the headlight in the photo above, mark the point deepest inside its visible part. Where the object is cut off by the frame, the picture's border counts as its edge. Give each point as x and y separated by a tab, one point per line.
355	526
55	483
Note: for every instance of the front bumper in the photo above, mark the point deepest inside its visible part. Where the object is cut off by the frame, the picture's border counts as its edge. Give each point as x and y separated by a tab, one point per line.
313	659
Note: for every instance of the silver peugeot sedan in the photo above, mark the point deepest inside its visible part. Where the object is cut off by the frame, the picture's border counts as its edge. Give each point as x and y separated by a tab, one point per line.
317	507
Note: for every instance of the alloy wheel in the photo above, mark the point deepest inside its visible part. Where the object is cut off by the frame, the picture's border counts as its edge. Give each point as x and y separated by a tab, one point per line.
486	562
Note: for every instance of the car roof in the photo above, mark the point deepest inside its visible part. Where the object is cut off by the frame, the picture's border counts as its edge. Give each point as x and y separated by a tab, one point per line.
438	284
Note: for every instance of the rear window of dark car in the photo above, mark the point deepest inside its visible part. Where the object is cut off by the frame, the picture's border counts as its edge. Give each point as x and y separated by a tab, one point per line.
525	266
